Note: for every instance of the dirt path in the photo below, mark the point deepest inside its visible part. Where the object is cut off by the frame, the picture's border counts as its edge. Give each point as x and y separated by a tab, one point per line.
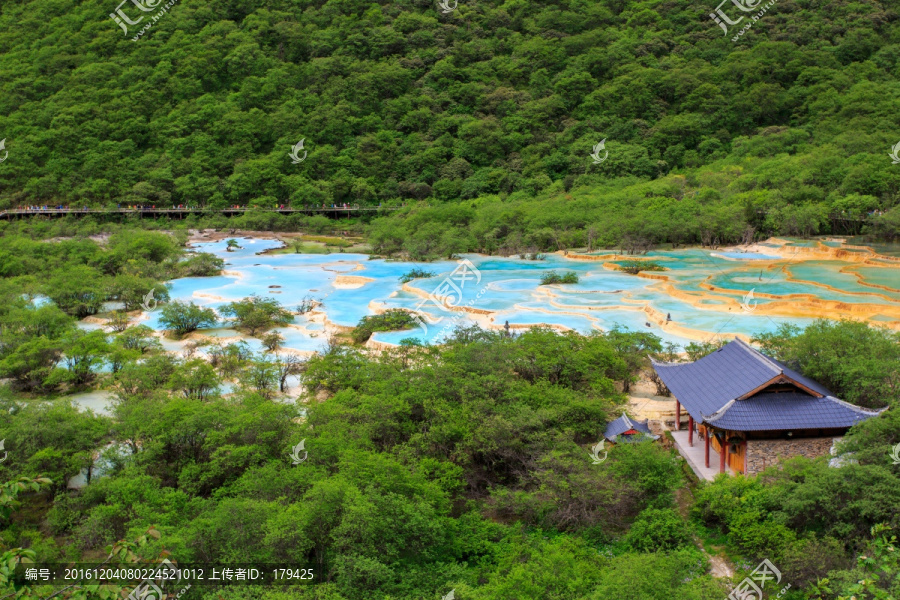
718	565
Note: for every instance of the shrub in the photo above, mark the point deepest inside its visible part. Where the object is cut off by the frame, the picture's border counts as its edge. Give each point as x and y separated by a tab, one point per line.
185	317
727	497
415	274
759	536
392	320
554	277
658	529
809	560
636	266
272	340
202	264
307	304
257	314
653	470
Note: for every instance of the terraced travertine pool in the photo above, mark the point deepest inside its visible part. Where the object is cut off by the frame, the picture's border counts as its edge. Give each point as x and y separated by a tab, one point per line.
704	293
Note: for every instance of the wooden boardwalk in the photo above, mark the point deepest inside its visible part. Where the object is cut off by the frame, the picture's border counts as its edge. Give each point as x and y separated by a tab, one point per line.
694	455
183	212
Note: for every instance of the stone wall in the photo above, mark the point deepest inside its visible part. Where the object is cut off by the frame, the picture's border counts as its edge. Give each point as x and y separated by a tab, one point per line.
764	453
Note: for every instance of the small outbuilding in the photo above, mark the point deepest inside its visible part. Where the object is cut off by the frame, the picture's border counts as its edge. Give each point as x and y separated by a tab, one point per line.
625	429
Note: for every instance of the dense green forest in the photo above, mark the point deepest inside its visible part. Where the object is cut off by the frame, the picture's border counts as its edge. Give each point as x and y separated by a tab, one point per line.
497	105
462	467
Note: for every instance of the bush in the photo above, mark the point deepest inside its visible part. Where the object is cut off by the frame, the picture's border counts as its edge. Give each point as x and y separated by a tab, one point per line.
202	264
272	340
727	497
256	314
659	576
636	266
392	320
184	317
809	560
759	536
554	277
307	304
658	529
653	470
415	274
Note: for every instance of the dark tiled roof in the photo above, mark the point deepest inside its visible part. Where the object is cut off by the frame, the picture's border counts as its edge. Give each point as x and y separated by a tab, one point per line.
707	386
788	410
813	385
623	424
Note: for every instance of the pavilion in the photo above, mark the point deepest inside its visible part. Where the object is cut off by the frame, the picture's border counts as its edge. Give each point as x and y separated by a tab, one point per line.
753	410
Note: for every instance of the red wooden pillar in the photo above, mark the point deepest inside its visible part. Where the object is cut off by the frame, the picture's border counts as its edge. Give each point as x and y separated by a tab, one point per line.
706	444
690	430
746	455
677	415
723	455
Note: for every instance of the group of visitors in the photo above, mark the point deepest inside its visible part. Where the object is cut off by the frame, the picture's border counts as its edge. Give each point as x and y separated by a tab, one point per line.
40	207
32	207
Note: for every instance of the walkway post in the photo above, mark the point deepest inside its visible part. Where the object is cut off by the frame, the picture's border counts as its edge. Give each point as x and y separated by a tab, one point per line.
690	430
723	455
677	415
706	444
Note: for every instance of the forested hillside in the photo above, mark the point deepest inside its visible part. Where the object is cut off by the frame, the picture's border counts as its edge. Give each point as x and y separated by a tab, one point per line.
793	122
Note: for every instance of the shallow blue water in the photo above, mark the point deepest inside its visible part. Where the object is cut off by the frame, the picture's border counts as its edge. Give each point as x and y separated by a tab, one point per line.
748	255
508	287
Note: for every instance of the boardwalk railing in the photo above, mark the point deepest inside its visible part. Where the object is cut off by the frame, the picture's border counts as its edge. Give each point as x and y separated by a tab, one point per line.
17	212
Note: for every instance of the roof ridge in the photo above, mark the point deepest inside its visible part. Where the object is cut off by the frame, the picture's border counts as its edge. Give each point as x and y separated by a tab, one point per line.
759	356
855	408
721	412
